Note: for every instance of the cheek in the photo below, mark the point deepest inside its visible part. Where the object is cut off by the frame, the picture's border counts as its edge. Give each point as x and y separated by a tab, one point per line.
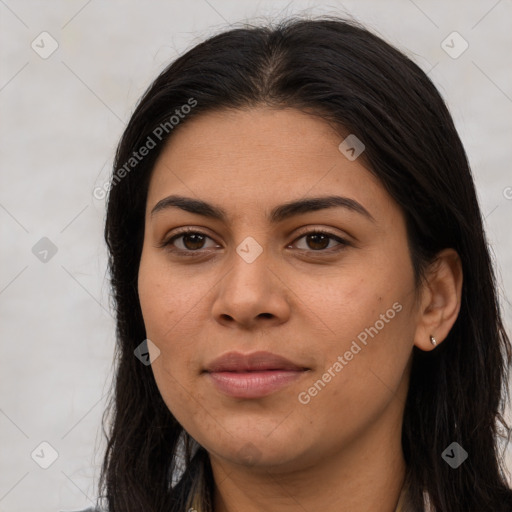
370	328
170	306
348	302
168	299
161	312
363	371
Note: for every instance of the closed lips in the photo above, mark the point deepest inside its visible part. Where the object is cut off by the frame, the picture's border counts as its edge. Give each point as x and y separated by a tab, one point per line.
254	362
252	376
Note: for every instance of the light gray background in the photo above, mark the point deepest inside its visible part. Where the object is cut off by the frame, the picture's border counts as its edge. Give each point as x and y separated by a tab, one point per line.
61	118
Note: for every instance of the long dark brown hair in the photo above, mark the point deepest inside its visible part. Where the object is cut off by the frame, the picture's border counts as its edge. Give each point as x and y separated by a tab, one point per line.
340	71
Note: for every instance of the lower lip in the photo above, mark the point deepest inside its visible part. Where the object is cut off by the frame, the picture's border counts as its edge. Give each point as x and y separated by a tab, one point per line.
253	384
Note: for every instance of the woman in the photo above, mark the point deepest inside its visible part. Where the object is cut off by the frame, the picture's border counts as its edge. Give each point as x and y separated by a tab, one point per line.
307	314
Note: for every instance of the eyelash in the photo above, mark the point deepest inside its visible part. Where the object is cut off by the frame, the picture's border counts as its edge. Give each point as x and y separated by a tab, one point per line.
167	244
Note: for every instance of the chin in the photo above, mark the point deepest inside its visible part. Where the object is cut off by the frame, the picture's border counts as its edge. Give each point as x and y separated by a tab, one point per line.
258	451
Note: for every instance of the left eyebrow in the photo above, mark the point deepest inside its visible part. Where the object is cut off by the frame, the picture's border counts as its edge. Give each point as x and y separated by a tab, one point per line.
278	214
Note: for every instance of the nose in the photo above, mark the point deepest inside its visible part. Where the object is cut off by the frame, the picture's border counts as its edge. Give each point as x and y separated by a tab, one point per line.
251	294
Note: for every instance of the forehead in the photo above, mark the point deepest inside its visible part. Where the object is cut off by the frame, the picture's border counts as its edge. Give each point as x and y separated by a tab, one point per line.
259	156
256	132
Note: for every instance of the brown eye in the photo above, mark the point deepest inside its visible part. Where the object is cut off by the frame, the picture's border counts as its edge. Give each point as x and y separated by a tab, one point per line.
187	242
319	241
193	241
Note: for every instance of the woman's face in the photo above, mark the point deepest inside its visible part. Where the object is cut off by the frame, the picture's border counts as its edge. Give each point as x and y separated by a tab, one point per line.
311	310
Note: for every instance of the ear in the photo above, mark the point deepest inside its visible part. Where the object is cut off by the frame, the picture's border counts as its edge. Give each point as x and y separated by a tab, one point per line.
440	299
